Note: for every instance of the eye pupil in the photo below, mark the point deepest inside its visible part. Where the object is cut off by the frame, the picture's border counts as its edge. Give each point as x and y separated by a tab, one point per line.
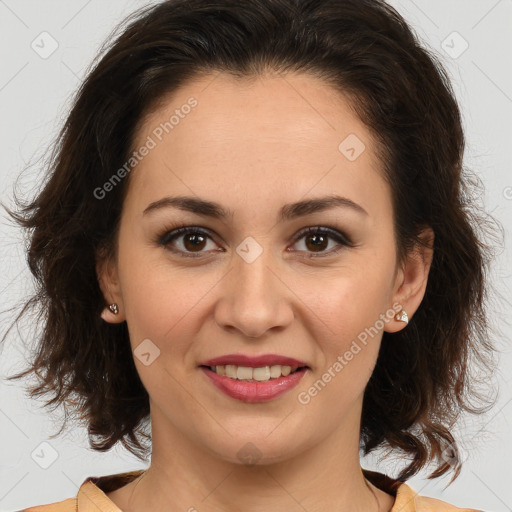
320	241
193	241
196	239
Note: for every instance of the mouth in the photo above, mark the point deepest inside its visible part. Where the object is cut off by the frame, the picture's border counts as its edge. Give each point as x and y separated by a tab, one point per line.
254	374
251	384
254	379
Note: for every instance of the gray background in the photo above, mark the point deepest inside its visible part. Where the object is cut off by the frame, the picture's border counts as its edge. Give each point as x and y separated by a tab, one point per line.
35	90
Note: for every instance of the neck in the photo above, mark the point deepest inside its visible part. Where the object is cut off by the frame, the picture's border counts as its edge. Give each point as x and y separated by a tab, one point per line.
185	476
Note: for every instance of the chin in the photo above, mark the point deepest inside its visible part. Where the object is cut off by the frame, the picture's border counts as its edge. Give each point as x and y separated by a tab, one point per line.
258	450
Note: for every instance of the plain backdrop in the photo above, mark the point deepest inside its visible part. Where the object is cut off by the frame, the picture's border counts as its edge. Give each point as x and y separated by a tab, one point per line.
45	50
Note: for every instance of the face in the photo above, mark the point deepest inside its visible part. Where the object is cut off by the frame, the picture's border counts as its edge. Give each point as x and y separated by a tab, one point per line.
254	282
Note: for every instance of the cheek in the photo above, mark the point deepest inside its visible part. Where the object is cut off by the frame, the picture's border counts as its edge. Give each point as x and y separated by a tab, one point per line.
351	308
349	355
161	307
351	301
162	301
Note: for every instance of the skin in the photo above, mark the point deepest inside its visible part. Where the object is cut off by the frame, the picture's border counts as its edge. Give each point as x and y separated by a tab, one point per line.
253	146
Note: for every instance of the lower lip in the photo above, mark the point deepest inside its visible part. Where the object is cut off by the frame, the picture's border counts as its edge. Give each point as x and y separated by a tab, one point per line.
254	391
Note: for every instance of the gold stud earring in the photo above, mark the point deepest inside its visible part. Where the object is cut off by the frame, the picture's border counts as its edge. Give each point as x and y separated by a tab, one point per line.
402	316
113	307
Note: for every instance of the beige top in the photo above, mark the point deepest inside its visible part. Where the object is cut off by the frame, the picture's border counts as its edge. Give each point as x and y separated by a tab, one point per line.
91	496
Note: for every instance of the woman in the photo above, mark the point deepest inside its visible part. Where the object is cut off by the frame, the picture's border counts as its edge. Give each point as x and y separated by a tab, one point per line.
255	236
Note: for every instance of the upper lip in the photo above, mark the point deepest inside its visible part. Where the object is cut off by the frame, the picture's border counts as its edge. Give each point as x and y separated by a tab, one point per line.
254	361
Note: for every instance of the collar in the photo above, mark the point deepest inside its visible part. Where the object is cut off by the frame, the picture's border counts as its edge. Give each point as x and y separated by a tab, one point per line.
92	498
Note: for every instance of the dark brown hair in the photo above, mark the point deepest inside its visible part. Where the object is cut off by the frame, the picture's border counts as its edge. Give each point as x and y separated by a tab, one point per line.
398	88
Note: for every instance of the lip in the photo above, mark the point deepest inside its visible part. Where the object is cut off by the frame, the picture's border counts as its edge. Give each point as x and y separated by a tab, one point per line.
253	392
254	361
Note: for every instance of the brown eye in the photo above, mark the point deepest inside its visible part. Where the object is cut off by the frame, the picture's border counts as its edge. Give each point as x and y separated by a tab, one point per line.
317	240
192	241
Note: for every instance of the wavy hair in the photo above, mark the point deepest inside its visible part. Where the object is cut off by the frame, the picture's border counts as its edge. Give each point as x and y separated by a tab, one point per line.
397	87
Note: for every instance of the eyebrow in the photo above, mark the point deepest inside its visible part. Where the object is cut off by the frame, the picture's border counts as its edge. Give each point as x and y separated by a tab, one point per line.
287	212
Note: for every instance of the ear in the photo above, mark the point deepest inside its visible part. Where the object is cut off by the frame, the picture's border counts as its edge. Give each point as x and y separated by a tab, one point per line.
106	270
411	279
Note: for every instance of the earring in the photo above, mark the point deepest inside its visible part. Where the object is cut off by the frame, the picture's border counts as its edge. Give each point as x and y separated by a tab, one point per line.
113	307
402	316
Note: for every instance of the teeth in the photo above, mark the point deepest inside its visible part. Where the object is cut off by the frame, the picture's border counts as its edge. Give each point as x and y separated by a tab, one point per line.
261	374
230	371
243	373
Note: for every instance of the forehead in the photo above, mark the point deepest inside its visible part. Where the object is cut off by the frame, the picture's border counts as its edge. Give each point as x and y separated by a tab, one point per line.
260	134
294	108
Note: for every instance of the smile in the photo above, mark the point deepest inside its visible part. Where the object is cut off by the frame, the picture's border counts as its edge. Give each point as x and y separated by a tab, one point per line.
254	384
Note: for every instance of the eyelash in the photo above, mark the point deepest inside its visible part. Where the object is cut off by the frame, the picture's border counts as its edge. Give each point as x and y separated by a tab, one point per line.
168	236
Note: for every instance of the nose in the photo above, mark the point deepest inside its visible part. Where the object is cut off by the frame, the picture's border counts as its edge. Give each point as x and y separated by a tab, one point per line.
255	298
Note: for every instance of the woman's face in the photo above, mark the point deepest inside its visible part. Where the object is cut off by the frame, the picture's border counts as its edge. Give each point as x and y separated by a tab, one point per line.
252	282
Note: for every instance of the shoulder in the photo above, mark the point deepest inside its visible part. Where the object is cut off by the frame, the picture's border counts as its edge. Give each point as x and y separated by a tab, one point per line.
91	496
68	505
407	500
